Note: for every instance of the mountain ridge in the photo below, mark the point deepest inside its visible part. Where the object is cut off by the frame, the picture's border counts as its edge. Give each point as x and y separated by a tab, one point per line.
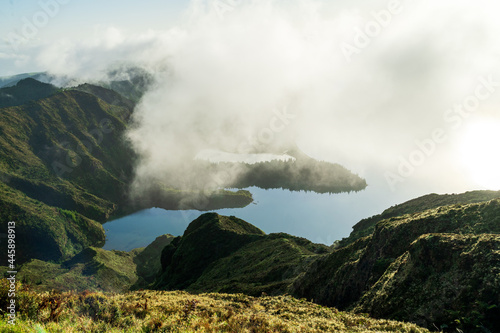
24	91
65	169
449	253
67	152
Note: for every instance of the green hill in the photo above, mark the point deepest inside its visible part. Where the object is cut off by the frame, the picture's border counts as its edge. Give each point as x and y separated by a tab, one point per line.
366	226
269	265
9	81
24	91
64	167
447	280
225	254
436	267
153	311
96	269
208	238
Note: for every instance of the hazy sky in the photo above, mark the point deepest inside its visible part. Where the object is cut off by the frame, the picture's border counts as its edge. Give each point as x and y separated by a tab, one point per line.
75	20
407	90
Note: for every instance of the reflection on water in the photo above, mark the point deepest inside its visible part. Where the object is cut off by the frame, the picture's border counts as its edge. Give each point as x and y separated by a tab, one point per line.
321	218
141	228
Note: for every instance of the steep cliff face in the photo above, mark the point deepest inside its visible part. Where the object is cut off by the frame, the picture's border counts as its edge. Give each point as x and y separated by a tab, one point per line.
374	274
447	280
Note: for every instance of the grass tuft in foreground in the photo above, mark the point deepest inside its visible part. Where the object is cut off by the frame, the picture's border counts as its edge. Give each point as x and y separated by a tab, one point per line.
176	311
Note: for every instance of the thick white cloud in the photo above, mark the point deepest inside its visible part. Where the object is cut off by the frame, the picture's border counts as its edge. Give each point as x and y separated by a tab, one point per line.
365	80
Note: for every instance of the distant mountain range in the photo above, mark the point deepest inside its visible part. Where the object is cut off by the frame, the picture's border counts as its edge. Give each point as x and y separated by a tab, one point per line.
130	82
24	91
10	81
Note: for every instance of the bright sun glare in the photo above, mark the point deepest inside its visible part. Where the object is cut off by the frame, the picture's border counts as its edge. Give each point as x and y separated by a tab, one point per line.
480	155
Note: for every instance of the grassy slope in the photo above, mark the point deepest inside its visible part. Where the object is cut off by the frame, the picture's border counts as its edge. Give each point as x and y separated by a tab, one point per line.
449	280
208	238
151	311
43	231
268	265
98	270
67	151
225	254
345	276
92	269
438	267
64	151
366	226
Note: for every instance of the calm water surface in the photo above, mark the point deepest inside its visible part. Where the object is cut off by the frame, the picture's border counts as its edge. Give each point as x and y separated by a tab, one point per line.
321	218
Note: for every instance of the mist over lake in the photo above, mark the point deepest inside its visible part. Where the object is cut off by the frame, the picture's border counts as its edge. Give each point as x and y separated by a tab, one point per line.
321	218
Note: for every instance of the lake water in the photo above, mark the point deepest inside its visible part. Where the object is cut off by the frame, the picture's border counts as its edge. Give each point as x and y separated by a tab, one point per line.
321	218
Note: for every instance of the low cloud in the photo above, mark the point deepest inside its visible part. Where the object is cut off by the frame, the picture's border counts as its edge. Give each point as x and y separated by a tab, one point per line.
222	74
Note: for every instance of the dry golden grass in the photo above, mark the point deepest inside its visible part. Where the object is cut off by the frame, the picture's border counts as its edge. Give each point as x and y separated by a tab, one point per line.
176	311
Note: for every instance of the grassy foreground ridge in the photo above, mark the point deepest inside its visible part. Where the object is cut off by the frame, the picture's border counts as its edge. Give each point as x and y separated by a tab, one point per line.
177	311
438	268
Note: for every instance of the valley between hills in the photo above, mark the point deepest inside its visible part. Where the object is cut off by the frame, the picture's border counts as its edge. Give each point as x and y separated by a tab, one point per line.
431	263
